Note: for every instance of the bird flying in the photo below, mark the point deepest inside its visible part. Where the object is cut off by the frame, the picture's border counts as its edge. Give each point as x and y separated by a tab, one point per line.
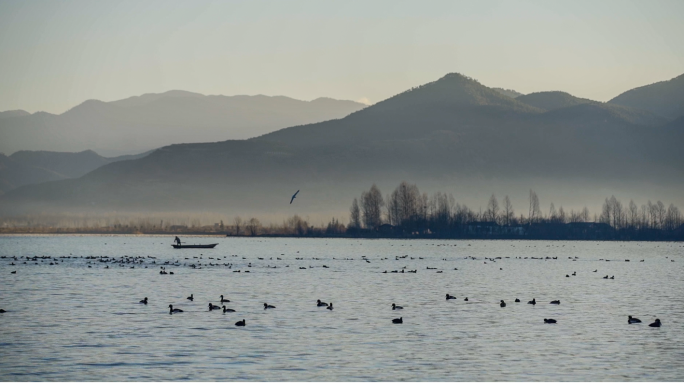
294	196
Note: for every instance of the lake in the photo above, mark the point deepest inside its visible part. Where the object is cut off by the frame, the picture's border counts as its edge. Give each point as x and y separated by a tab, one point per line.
78	320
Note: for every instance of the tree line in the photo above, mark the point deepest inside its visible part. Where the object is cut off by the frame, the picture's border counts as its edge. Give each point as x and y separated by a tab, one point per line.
407	211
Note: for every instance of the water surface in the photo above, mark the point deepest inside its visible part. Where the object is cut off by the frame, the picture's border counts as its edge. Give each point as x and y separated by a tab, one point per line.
71	322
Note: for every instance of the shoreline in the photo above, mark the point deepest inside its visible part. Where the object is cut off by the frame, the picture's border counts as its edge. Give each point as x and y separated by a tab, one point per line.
4	234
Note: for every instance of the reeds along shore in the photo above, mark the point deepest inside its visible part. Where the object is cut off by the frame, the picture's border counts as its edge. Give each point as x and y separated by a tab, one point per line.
406	213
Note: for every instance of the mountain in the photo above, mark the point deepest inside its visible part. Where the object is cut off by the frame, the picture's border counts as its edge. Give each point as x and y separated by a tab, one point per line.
31	167
664	98
510	93
453	134
149	121
595	113
552	100
439	105
14	174
13	114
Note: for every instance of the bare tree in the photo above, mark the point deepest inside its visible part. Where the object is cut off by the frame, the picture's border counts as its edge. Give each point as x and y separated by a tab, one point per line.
372	203
561	215
508	213
253	226
553	214
237	223
633	214
660	214
585	214
405	200
673	218
297	225
607	212
617	212
535	211
355	215
492	213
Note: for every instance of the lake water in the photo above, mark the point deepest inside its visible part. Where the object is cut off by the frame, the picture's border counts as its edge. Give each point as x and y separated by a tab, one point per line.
71	322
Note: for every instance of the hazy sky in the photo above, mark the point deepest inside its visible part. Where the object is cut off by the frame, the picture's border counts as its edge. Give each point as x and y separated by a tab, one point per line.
56	54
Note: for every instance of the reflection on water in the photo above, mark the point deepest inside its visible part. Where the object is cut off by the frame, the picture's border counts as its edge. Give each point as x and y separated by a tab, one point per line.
70	322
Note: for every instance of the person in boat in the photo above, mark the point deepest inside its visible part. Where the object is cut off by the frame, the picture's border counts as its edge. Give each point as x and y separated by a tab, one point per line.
177	240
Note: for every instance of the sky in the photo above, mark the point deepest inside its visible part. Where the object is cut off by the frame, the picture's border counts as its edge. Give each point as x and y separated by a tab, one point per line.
56	54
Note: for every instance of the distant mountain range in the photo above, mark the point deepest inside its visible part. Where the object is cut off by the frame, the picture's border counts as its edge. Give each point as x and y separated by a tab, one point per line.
453	134
30	167
141	123
663	98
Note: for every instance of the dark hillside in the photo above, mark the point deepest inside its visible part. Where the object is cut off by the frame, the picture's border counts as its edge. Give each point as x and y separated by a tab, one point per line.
664	98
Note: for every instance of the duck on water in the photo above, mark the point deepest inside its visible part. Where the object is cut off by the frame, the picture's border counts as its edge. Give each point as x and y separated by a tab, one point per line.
172	310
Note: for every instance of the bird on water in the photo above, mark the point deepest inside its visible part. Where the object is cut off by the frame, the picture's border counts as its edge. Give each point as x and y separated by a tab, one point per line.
533	302
191	297
655	324
633	320
267	306
241	323
224	300
502	304
448	297
144	301
320	303
549	321
226	310
395	307
172	310
399	320
214	307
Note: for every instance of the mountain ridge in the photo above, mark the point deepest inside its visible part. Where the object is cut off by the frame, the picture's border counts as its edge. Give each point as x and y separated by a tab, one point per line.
453	132
140	123
664	98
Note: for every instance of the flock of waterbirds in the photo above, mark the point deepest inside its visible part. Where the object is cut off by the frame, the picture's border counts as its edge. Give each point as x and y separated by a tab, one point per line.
214	262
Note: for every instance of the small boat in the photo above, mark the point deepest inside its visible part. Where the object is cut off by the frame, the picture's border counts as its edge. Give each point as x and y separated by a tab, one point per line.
211	246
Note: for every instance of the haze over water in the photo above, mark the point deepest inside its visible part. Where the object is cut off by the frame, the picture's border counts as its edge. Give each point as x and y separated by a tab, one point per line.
68	322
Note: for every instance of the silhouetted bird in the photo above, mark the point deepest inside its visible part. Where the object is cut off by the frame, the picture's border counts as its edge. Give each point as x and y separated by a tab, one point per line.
172	310
330	307
144	301
398	320
633	320
294	196
319	303
448	297
517	300
241	323
214	307
655	324
226	310
2	310
533	302
267	306
502	304
395	307
556	302
549	321
191	297
224	300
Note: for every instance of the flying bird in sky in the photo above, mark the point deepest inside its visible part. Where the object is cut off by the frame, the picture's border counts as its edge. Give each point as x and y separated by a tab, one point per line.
294	196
